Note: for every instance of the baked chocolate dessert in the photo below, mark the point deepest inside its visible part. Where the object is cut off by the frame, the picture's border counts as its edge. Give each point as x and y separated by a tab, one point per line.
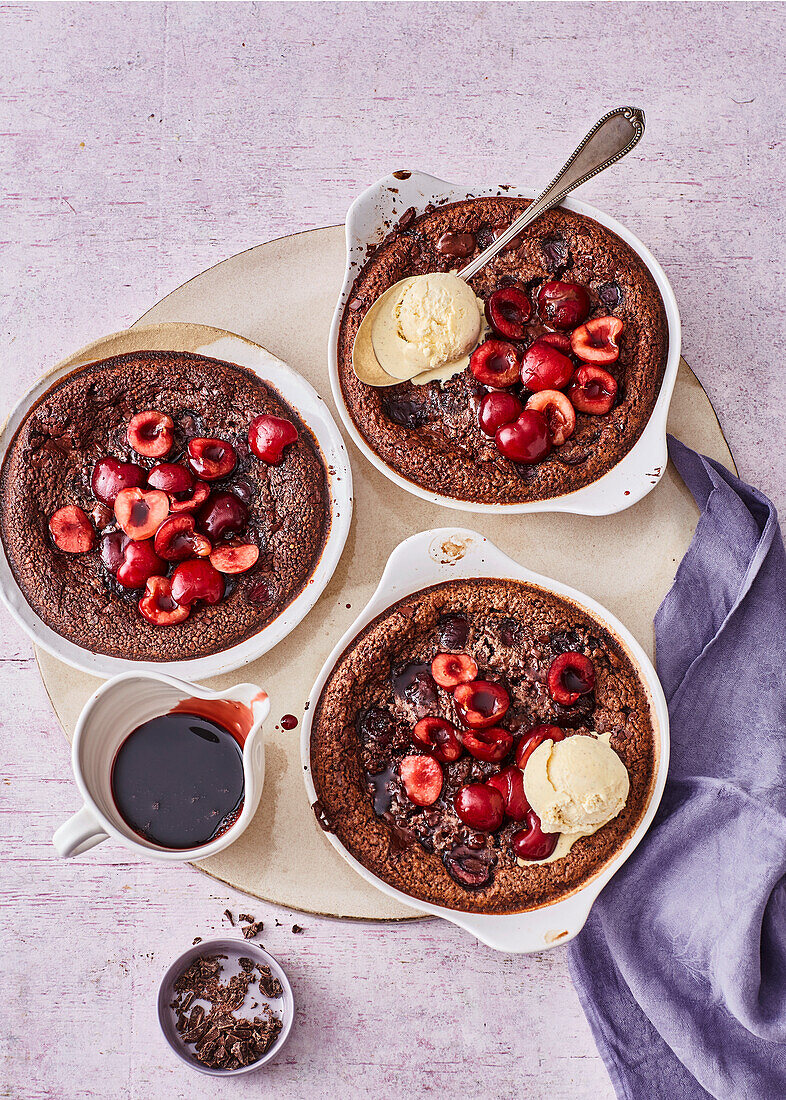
565	383
162	506
423	735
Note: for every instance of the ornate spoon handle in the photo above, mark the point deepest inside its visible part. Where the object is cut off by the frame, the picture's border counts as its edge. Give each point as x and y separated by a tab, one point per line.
607	142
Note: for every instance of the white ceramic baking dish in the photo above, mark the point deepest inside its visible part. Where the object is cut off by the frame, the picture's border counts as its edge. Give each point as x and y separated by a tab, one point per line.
231	348
454	553
368	220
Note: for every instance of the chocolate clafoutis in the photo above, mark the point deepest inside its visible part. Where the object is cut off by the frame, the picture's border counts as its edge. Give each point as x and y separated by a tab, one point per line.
425	725
162	506
563	381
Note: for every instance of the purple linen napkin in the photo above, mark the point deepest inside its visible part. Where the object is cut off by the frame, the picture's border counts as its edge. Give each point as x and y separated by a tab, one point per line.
681	968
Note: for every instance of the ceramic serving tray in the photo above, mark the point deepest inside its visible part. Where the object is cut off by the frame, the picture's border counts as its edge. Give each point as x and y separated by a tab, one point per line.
372	215
454	553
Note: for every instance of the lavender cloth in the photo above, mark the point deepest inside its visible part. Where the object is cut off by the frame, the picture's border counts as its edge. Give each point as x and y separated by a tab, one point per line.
681	968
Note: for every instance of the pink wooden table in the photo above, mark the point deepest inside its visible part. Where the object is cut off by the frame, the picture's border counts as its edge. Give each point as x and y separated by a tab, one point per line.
142	143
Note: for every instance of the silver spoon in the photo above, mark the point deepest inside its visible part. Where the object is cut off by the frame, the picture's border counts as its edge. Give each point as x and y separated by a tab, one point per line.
606	143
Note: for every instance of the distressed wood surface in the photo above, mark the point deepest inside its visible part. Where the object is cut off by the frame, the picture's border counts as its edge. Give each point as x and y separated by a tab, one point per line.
142	143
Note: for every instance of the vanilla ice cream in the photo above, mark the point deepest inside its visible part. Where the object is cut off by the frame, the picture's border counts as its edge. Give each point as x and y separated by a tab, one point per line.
577	785
431	325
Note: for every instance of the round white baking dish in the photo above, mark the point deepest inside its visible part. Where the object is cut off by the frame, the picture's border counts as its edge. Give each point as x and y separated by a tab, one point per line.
231	348
368	220
455	553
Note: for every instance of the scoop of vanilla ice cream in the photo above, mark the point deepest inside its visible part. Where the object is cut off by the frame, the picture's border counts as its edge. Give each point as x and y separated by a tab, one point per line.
576	785
437	318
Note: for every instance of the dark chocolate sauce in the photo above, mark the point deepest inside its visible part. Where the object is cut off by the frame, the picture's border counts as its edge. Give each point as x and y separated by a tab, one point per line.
379	785
288	722
177	780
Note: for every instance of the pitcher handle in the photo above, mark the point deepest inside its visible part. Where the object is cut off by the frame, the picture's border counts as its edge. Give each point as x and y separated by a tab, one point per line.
77	835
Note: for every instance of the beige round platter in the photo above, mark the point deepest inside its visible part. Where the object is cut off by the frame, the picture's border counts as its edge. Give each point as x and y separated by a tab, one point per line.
282	295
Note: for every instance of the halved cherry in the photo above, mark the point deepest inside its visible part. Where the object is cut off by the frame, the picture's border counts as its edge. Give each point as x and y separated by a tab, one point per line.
508	310
110	476
480	806
490	745
596	341
439	737
157	604
527	439
510	784
495	364
177	540
140	561
481	704
570	675
171	478
196	580
534	737
268	436
558	411
211	458
497	408
199	495
531	842
563	305
452	669
422	779
593	390
151	433
71	530
558	340
235	557
141	513
545	368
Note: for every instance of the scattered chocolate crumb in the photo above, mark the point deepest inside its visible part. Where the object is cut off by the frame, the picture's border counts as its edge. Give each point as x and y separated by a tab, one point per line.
246	917
252	930
196	939
278	924
221	1040
296	929
229	917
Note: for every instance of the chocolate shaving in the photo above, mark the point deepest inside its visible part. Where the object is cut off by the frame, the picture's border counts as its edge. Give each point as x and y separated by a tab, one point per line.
250	931
220	1039
229	917
296	929
245	917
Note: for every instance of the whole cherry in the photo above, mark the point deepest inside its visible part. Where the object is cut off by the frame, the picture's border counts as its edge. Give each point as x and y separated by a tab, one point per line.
510	784
269	436
171	478
480	806
526	440
196	579
563	305
531	842
223	515
140	561
496	409
110	476
545	368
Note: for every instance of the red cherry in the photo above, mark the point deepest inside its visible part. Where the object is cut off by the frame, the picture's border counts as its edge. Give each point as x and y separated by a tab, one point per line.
235	557
157	604
593	390
196	580
177	540
110	476
596	342
171	478
495	364
534	737
452	669
140	561
490	745
563	305
545	368
140	513
439	737
422	779
71	530
481	704
211	458
558	411
199	495
570	675
223	515
113	548
510	784
269	435
527	439
508	310
497	408
531	842
480	807
151	433
558	340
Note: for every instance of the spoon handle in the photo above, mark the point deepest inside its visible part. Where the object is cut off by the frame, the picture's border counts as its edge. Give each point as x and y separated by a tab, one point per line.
607	142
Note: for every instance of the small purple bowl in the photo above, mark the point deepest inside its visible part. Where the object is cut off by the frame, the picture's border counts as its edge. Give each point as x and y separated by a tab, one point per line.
283	1007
